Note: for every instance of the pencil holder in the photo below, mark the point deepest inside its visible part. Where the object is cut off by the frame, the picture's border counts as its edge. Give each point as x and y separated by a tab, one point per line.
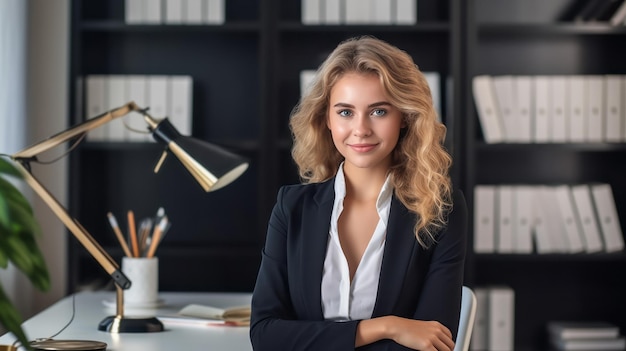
143	273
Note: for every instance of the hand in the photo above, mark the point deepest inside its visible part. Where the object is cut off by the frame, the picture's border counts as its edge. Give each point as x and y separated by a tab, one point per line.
420	335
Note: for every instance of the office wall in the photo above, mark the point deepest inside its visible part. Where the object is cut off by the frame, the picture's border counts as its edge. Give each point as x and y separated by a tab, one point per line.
47	100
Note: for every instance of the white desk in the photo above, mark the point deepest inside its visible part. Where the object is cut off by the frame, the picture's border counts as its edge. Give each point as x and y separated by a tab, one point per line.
90	310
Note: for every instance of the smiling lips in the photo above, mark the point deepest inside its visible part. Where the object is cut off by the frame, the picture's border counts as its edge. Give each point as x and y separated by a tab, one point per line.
362	148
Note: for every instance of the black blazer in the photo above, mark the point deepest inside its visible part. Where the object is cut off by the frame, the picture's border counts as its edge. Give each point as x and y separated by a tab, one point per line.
414	282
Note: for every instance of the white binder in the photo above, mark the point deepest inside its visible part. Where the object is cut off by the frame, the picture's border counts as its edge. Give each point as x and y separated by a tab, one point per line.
559	114
479	340
501	318
137	92
173	11
180	103
332	11
615	110
608	218
577	108
487	109
484	214
505	219
311	12
523	91
595	109
587	218
96	97
406	12
568	218
193	12
215	12
158	96
522	229
503	88
542	109
117	97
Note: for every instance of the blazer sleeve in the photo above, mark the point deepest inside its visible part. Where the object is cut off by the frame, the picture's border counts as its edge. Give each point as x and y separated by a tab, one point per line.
275	323
440	297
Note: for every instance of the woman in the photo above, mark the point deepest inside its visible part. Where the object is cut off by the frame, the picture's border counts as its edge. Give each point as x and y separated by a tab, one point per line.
369	251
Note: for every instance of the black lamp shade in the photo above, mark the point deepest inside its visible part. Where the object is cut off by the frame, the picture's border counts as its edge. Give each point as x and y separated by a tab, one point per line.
212	166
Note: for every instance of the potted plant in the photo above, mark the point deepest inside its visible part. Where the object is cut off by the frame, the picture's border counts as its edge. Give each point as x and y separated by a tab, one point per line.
18	231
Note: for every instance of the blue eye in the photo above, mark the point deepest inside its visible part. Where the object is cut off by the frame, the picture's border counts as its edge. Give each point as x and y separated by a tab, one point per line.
379	112
345	113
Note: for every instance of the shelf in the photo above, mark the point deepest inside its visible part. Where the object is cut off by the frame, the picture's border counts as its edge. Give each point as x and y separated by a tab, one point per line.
119	26
243	145
618	257
482	146
422	27
563	28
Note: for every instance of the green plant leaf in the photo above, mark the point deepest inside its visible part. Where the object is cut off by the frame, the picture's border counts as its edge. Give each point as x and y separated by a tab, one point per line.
7	168
22	218
11	319
18	231
22	250
4	259
12	194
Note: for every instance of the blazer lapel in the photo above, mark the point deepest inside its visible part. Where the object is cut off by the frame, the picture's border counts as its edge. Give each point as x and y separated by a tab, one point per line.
315	241
399	245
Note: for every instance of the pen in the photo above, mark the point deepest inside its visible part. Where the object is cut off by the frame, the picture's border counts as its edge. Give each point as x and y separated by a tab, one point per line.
156	236
132	232
118	233
144	232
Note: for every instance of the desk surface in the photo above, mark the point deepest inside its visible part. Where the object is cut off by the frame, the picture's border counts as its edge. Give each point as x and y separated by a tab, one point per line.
93	307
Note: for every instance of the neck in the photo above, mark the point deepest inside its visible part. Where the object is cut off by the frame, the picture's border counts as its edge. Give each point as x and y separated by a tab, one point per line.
364	184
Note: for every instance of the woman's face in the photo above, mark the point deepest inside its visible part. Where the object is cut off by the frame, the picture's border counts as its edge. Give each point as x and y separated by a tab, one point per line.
365	127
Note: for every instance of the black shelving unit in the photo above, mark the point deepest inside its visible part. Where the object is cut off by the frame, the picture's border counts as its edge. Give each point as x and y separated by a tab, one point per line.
510	39
246	81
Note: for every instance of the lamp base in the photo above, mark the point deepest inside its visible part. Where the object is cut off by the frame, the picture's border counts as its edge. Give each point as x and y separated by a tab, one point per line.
114	324
65	345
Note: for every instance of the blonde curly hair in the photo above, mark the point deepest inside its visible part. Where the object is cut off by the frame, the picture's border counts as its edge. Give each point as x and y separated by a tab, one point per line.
420	164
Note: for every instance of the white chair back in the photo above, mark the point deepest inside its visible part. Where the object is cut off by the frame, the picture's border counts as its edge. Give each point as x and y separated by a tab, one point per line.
466	322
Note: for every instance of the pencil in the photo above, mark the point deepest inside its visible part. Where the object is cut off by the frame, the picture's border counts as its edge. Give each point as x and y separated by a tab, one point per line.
156	236
144	231
118	233
132	232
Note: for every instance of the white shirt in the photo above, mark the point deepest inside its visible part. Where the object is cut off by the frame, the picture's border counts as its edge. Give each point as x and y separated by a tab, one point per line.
341	300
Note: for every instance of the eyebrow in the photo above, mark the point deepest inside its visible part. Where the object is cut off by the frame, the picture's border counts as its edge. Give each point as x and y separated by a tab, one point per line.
376	104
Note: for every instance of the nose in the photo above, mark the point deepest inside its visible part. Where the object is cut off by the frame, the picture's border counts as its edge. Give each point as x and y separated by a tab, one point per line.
362	126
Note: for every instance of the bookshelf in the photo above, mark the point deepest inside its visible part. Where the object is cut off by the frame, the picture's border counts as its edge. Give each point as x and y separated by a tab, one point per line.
539	38
246	81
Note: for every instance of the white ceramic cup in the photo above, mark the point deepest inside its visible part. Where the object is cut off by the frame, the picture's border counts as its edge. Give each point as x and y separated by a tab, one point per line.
143	273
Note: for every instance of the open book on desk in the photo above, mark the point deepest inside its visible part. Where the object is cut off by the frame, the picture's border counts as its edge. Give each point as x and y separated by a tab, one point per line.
201	315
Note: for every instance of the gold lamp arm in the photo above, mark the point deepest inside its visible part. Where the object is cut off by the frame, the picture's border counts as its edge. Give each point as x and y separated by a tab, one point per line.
103	258
66	135
22	158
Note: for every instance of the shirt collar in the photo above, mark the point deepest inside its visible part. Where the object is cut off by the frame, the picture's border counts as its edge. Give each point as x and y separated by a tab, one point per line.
382	202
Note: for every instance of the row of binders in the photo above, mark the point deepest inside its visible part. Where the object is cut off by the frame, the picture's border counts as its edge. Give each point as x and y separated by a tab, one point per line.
494	322
433	79
551	109
354	12
611	11
585	335
194	12
165	96
522	219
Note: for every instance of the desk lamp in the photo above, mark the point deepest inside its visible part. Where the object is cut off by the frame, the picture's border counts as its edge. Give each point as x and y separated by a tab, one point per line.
211	166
